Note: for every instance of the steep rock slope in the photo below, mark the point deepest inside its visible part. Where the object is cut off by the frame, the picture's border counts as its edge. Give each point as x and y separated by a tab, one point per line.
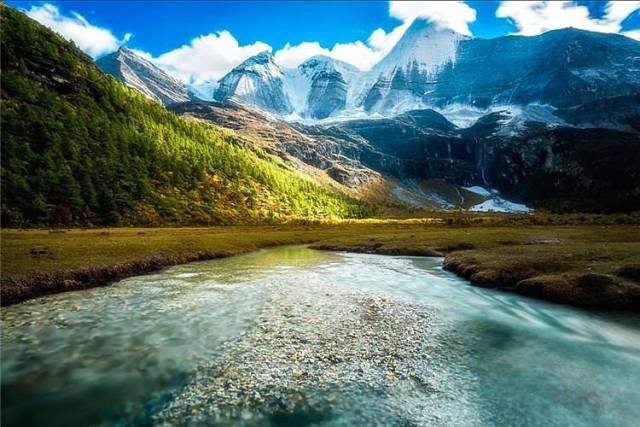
562	68
143	76
560	168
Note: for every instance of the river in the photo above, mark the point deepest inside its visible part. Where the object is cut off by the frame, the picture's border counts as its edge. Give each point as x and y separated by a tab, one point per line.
293	336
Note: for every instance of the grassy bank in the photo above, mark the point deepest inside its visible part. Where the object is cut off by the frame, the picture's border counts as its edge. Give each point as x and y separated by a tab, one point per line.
590	265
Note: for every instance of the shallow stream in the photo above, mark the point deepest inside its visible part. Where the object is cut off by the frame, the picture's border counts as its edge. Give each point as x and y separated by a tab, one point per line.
293	336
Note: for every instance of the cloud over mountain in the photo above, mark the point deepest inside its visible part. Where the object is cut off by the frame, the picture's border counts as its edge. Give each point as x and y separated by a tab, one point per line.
536	17
208	57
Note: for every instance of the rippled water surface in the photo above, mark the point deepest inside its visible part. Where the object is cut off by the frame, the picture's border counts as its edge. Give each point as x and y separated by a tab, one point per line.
292	336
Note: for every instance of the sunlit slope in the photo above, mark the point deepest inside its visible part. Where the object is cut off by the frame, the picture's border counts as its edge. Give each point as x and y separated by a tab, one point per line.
79	147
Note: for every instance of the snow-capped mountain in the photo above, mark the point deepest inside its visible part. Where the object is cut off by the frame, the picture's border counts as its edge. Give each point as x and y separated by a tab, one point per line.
435	68
559	77
561	68
431	67
257	81
143	76
315	89
401	80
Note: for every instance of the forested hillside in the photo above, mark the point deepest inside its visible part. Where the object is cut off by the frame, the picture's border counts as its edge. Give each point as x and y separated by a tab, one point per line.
80	148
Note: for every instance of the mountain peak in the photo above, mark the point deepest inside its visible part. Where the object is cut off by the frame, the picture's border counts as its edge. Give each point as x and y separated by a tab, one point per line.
142	75
264	57
256	81
425	44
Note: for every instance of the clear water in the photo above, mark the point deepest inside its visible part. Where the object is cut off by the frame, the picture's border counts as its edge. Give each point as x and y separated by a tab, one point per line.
120	355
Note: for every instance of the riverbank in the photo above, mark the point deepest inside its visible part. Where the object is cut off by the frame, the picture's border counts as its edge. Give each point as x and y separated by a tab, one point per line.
585	265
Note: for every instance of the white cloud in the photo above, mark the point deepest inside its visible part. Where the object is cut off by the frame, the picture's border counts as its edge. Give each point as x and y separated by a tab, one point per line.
536	17
292	56
208	57
92	40
364	55
357	53
455	15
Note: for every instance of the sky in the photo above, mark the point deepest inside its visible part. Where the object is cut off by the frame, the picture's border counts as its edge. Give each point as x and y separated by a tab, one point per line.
198	41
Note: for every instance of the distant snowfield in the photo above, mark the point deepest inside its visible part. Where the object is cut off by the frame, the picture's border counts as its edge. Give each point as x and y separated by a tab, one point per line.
495	203
498	204
463	116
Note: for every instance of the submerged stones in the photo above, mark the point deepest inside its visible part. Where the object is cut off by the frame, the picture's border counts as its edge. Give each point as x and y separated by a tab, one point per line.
309	357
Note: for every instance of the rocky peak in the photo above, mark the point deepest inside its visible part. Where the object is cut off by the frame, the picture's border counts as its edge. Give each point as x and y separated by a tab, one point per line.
142	75
256	81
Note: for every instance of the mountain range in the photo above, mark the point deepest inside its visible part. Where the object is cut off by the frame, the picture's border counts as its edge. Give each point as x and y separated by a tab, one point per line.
513	114
560	77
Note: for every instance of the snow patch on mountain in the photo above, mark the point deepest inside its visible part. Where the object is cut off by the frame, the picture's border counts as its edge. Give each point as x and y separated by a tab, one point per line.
204	91
481	191
497	204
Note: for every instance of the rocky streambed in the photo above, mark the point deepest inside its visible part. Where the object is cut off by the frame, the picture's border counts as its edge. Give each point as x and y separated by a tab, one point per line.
310	356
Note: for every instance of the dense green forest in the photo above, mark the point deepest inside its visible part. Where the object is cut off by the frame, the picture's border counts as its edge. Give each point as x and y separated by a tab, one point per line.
78	147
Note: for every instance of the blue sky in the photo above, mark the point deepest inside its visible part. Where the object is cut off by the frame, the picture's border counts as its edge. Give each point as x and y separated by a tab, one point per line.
362	31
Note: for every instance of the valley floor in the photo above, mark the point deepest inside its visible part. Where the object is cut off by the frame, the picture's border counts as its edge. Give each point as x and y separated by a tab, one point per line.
595	265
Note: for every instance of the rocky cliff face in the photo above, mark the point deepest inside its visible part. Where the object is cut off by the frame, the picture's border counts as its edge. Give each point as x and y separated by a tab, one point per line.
141	75
542	165
559	168
329	81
